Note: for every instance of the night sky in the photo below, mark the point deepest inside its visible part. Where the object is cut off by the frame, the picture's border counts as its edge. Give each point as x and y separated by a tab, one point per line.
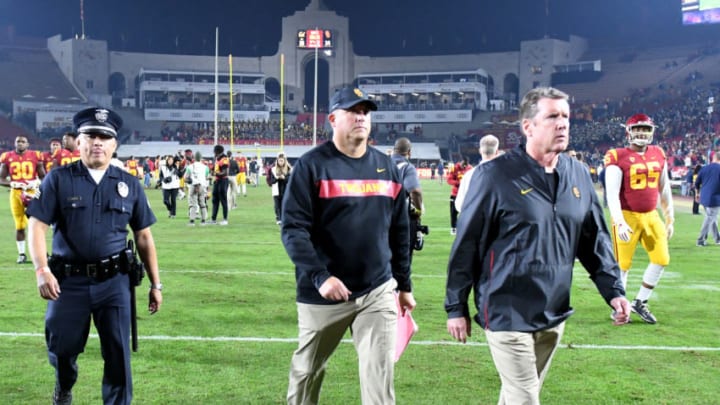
377	27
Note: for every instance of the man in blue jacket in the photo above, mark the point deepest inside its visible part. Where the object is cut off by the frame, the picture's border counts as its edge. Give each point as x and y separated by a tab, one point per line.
707	193
345	227
528	214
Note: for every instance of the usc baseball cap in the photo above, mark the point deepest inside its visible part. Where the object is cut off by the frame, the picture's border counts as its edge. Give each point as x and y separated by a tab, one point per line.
348	97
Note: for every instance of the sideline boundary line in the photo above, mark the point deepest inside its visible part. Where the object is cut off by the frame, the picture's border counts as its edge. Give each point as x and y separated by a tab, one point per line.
418	343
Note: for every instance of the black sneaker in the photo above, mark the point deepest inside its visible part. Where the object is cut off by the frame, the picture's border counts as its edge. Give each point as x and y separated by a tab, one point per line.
62	397
21	258
641	308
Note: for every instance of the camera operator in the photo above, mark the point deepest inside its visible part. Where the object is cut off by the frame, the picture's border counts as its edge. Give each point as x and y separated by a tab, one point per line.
411	183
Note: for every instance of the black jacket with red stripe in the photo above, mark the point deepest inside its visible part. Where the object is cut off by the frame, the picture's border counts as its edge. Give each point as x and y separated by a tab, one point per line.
346	217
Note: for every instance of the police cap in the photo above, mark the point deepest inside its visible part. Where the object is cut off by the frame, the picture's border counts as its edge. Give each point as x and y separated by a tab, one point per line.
348	97
97	120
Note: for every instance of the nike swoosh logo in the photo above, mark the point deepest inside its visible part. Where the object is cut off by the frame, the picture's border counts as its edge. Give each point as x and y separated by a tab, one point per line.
380	170
527	190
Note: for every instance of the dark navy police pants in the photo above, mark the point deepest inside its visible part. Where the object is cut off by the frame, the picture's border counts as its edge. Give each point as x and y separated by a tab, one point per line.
67	325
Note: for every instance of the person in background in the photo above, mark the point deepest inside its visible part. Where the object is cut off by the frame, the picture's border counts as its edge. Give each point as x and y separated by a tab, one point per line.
489	145
92	205
454	179
411	184
131	166
527	215
220	185
170	183
341	196
635	176
21	170
581	158
441	171
279	174
147	172
254	172
242	172
69	152
55	146
197	177
707	191
233	170
114	161
691	177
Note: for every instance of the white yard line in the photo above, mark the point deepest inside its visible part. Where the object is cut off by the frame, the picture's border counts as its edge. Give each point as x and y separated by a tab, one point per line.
419	342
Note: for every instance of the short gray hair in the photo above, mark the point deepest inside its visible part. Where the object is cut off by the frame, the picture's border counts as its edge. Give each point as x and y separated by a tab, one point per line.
529	104
489	145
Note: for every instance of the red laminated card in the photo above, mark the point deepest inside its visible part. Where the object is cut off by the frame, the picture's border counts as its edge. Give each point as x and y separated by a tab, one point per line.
406	328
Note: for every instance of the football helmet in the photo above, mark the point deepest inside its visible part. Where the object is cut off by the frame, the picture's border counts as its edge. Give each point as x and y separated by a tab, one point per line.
636	135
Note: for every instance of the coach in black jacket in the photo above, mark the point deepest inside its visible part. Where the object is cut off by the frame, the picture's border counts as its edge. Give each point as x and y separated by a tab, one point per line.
345	227
528	215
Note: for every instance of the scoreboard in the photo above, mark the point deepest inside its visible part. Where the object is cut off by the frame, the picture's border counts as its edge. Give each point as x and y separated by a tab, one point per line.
315	38
700	12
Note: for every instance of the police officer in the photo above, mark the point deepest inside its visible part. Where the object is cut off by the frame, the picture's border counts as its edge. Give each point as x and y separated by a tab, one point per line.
91	204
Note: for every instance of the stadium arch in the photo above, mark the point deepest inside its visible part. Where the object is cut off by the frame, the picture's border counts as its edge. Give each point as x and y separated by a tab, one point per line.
511	88
116	87
308	78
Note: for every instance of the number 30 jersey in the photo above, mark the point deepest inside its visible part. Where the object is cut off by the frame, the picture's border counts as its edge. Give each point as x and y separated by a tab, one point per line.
641	176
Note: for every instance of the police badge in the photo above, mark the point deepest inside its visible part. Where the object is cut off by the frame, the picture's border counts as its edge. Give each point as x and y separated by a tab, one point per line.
122	189
101	114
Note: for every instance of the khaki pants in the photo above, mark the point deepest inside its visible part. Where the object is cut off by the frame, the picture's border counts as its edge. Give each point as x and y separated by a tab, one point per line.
522	359
372	320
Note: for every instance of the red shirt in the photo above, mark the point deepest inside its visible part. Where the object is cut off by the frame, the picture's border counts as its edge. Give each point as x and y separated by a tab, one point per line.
132	167
22	166
641	176
242	164
64	157
220	164
455	176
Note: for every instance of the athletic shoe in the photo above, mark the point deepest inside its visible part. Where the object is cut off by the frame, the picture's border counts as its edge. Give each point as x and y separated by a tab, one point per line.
21	258
62	397
641	308
203	223
191	223
701	244
453	231
278	222
223	222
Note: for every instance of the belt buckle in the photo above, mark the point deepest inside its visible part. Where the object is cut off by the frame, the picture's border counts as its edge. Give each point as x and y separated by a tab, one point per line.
91	270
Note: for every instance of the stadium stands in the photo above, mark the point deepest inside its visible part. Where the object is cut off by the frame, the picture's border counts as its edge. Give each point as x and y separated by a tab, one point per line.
31	74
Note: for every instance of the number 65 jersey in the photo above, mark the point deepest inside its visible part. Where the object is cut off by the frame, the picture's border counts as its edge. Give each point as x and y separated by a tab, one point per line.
641	176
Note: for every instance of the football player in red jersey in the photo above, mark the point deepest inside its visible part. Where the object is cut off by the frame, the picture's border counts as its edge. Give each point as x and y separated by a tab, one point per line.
24	168
131	166
635	176
454	179
242	174
48	157
69	152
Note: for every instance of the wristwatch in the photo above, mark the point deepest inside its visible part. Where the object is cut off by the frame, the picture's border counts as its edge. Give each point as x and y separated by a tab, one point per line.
157	286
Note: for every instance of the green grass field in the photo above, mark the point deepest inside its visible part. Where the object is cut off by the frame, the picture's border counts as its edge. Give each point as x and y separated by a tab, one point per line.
227	328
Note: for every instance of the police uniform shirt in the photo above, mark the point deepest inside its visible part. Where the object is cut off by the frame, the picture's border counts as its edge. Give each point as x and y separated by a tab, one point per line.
90	219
